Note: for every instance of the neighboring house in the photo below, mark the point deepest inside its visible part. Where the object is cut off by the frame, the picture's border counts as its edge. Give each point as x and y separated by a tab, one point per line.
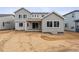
72	21
37	21
7	21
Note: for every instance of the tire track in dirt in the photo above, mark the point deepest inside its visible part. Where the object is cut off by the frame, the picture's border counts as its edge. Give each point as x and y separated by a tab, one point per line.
5	40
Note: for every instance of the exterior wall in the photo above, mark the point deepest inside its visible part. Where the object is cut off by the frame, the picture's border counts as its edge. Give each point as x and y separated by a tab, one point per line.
52	18
22	12
10	19
18	20
17	27
76	15
70	21
53	29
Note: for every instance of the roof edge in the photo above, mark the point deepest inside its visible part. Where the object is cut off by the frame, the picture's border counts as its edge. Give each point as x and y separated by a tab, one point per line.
55	14
71	12
21	9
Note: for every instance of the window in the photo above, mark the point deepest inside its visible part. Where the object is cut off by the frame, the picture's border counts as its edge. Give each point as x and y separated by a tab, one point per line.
56	23
24	16
27	24
72	27
66	25
49	23
20	16
7	22
3	24
35	15
20	24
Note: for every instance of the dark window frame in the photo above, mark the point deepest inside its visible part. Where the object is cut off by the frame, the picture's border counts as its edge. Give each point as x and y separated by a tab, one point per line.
3	24
35	15
66	25
49	23
20	24
56	23
20	16
24	16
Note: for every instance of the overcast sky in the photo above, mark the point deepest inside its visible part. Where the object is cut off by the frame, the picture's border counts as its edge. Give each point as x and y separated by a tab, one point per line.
60	10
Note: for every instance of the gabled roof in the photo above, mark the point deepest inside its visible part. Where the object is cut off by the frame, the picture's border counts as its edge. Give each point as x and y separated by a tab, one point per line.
55	14
39	12
4	15
32	12
21	9
71	12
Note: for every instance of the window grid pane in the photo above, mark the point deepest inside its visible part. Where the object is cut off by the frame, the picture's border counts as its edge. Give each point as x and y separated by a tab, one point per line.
20	16
24	16
49	23
56	23
20	24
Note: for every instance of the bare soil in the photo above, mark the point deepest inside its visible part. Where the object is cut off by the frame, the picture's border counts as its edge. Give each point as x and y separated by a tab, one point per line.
21	41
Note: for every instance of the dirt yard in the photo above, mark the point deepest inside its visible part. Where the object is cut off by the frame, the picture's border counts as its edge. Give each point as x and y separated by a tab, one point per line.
21	41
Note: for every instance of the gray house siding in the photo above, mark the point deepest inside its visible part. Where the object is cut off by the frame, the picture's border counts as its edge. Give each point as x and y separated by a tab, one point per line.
70	21
53	29
29	21
7	22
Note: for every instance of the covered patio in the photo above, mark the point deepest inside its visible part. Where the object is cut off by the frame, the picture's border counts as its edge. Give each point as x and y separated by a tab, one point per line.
34	25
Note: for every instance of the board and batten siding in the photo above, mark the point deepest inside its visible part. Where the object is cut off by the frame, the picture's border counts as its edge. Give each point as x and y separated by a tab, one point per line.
53	29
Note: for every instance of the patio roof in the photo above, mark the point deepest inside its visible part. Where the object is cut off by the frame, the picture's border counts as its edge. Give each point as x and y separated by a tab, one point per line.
77	20
34	19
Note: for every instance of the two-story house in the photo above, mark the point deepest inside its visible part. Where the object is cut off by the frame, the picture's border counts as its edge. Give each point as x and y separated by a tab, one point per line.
39	21
33	21
72	21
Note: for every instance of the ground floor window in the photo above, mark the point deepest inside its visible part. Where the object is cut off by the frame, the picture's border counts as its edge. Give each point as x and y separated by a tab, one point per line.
6	23
49	23
56	23
27	24
66	25
35	25
3	24
20	24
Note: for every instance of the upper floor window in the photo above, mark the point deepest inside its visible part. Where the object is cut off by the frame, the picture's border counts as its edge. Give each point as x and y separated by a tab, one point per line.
32	15
49	23
56	23
24	16
20	16
35	15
